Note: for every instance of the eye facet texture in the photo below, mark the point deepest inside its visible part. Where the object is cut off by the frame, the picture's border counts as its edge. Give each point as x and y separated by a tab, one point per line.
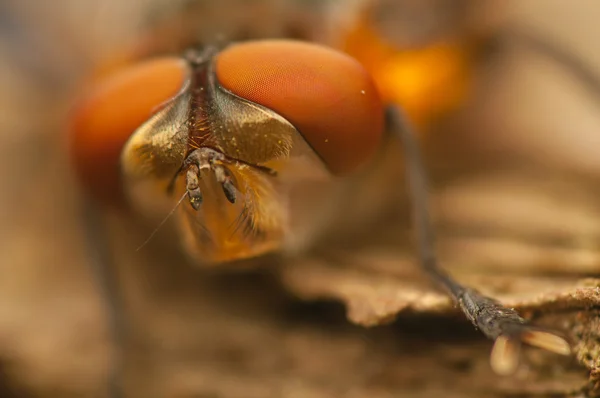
113	109
325	94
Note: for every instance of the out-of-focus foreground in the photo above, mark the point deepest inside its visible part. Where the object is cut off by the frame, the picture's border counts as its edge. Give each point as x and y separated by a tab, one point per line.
517	182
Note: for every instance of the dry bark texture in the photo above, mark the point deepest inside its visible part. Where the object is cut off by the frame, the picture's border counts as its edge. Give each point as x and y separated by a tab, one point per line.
516	208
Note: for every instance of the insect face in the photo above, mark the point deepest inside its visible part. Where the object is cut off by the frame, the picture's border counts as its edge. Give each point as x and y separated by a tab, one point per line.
242	128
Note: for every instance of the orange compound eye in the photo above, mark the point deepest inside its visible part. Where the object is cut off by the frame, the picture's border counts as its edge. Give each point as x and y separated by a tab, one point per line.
328	96
112	110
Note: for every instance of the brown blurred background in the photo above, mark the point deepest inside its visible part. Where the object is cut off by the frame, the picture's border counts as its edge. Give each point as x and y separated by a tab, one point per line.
510	129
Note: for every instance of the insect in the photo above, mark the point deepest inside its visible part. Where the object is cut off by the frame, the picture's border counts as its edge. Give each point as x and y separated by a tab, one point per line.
229	138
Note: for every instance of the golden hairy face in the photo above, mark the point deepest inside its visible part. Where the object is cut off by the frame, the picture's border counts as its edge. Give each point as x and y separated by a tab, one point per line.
233	132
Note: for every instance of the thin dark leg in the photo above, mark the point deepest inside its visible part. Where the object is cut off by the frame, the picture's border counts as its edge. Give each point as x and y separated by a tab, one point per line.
504	325
102	267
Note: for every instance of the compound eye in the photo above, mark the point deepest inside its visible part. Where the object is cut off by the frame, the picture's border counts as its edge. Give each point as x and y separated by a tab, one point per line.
111	111
328	96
